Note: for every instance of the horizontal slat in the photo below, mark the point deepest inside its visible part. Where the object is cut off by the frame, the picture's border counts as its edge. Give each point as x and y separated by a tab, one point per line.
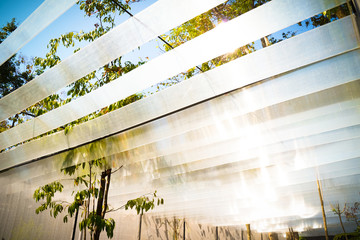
328	73
200	49
159	132
45	14
326	114
146	25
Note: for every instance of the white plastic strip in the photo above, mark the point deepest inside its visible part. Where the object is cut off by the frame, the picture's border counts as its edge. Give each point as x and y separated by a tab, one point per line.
285	56
299	83
175	61
45	14
146	25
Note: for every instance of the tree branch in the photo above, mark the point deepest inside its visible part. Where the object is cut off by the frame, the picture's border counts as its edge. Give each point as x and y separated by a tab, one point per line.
117	169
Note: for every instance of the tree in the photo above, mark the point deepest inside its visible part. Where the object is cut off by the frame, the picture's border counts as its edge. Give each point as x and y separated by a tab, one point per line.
337	211
12	76
225	12
91	199
105	12
205	22
351	213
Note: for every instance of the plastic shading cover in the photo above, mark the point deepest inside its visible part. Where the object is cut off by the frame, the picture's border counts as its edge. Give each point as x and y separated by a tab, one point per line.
241	144
155	20
266	19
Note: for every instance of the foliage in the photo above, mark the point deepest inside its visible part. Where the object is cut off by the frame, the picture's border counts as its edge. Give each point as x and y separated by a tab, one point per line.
328	16
145	202
13	73
205	22
337	211
92	197
225	12
93	188
105	12
11	76
351	236
352	212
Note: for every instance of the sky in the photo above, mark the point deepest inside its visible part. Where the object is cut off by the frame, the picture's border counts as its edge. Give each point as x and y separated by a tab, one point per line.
72	20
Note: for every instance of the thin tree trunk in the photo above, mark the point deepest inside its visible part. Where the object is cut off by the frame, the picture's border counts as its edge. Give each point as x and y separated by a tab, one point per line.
342	225
88	204
265	42
140	226
108	174
75	223
85	227
99	206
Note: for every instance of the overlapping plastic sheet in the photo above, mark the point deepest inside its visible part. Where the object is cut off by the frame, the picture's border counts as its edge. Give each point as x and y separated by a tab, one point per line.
266	19
210	84
145	26
222	155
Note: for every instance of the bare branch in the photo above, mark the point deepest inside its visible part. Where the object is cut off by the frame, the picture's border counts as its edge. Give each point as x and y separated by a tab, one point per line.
117	169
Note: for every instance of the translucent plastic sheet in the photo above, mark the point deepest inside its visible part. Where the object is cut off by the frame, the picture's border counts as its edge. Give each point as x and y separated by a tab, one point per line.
144	26
201	49
216	165
324	74
45	14
248	156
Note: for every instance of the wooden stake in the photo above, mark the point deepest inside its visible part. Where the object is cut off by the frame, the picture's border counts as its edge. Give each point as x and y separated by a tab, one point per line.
248	230
184	230
140	226
322	208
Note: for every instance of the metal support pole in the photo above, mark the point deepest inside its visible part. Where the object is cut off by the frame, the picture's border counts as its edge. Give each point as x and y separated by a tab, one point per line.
217	233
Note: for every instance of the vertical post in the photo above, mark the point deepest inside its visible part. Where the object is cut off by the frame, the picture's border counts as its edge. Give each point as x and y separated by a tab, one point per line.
75	223
322	207
356	7
217	233
140	226
356	4
175	229
184	230
273	236
242	234
248	230
289	235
